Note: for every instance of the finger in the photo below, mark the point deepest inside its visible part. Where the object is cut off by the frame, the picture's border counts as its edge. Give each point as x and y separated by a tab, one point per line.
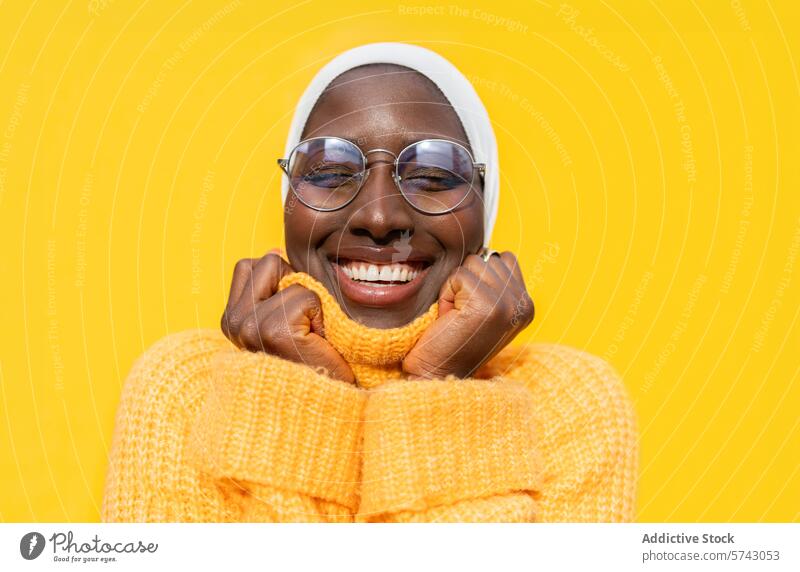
511	262
501	269
280	323
510	284
524	307
269	323
484	271
241	272
302	308
286	325
457	289
264	278
509	295
262	283
464	307
231	320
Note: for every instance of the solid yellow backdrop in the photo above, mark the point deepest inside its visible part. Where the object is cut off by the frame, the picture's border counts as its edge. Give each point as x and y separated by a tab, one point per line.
649	156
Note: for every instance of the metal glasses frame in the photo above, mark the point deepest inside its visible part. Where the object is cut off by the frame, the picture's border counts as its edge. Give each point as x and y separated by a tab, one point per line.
284	165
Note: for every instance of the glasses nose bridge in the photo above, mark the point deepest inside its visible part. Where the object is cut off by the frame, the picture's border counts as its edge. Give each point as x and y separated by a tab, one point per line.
370	165
380	150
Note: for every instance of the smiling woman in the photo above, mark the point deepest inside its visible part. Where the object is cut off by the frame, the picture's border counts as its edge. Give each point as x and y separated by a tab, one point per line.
418	157
367	375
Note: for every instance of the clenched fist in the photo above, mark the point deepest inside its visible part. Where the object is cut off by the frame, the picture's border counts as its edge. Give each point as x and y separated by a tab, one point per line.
482	307
287	324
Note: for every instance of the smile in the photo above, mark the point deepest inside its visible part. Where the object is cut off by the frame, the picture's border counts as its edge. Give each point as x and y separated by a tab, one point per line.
376	284
380	273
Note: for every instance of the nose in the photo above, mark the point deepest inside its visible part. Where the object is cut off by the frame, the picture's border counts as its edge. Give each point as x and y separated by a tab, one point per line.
380	211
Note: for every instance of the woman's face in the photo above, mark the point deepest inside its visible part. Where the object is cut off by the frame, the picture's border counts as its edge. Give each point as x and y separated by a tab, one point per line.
386	107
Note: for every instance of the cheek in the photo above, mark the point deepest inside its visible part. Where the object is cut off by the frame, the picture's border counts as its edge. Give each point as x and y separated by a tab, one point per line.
460	232
303	230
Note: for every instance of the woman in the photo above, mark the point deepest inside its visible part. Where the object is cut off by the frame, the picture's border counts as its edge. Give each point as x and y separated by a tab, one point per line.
361	378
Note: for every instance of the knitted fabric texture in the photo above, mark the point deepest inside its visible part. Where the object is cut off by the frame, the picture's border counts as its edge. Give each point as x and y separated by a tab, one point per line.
374	354
206	432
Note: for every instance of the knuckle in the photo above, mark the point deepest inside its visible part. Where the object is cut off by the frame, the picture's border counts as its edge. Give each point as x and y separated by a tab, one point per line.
274	329
305	298
250	333
226	325
242	265
267	263
275	264
231	322
523	311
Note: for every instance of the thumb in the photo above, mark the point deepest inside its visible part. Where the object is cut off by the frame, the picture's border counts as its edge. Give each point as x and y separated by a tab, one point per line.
308	317
316	321
453	297
322	350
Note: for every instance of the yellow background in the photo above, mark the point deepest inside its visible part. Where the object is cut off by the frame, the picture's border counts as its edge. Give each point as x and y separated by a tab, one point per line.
650	186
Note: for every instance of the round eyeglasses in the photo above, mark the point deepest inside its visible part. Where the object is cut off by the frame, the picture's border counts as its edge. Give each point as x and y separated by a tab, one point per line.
434	175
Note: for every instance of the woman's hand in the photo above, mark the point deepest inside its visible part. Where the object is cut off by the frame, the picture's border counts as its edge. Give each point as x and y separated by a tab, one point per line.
287	324
482	307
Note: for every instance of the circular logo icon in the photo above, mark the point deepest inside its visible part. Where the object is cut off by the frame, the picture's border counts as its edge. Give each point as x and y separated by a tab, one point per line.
31	545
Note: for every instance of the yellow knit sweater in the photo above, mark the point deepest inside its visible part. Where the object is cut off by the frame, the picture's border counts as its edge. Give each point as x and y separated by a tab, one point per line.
206	432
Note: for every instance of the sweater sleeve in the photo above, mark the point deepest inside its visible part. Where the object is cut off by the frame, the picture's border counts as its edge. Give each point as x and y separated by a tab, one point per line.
451	450
588	440
206	432
547	434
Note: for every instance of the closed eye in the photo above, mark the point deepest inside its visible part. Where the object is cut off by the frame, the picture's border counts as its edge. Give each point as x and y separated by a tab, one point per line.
433	179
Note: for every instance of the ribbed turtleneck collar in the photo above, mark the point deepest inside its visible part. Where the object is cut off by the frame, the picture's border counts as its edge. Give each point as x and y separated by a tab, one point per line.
374	354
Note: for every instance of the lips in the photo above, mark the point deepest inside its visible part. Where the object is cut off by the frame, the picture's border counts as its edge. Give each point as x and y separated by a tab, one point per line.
375	283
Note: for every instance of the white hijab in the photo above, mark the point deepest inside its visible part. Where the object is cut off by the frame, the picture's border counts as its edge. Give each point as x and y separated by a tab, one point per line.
456	88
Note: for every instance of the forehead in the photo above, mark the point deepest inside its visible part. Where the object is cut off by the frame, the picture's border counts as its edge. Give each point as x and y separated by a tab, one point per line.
384	106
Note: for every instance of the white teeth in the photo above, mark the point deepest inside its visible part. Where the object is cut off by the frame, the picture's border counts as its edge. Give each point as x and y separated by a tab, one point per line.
395	272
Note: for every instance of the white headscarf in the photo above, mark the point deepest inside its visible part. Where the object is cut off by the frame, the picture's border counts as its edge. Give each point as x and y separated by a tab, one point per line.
456	88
